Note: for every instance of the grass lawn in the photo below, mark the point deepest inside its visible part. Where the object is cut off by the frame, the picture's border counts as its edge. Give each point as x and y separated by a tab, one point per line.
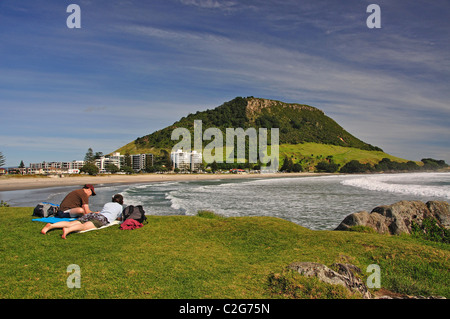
315	153
205	256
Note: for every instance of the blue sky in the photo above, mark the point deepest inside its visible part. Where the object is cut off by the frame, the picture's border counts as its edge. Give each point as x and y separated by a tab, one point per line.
138	66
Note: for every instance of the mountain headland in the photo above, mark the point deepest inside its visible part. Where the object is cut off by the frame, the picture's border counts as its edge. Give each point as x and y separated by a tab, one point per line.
306	135
298	123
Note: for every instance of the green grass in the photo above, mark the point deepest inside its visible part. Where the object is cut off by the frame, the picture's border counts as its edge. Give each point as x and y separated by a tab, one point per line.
131	148
206	256
314	153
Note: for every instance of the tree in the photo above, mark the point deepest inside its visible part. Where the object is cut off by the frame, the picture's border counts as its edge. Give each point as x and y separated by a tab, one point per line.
127	169
430	163
329	167
89	157
89	168
165	159
355	167
214	166
112	168
127	159
98	155
296	168
2	159
287	165
21	165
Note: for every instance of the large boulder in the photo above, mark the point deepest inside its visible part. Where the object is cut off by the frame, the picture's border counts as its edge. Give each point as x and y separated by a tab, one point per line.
363	218
441	211
344	276
398	218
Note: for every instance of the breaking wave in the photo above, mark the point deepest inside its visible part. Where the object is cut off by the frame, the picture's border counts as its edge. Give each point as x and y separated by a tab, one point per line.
417	184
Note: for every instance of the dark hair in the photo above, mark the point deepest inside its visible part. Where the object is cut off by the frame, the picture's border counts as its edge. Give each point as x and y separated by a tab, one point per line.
118	199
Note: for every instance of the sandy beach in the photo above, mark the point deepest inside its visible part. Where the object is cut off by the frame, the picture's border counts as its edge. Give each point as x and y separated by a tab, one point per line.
8	183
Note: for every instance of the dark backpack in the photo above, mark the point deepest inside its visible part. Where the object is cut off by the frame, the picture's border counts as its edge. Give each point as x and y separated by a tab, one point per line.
134	212
45	209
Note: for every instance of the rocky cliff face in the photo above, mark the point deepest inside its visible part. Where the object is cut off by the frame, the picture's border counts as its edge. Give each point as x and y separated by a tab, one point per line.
398	218
256	105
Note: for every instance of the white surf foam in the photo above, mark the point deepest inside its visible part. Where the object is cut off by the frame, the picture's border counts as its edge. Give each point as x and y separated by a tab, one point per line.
407	184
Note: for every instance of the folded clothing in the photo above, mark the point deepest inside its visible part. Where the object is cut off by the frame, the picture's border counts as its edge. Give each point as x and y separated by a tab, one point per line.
130	224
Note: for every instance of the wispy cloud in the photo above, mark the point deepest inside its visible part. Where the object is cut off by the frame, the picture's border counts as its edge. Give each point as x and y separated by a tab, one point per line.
136	67
210	4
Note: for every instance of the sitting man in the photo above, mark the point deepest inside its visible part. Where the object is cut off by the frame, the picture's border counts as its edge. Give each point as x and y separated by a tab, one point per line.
110	212
76	203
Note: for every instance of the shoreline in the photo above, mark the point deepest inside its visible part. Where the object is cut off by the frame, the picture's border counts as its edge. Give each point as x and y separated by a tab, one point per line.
25	183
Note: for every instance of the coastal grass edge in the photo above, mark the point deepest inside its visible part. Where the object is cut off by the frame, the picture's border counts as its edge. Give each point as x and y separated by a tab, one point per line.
206	256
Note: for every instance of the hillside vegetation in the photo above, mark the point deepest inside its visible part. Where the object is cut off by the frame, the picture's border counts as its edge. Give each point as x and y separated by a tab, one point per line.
309	155
308	139
297	123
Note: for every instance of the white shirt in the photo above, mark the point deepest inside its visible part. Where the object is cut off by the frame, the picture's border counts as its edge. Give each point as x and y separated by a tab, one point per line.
111	211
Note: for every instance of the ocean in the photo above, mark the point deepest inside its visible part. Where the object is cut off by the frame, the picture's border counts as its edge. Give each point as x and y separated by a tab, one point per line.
315	202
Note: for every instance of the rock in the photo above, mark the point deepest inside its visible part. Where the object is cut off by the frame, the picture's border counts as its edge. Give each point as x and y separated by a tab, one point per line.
441	211
398	218
345	276
363	218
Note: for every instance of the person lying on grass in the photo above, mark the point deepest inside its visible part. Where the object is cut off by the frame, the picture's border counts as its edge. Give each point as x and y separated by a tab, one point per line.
110	212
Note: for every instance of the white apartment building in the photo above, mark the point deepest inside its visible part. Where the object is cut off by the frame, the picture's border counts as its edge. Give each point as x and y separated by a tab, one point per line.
186	160
103	162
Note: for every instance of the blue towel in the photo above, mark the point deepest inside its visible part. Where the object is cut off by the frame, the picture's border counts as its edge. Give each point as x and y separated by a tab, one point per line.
53	220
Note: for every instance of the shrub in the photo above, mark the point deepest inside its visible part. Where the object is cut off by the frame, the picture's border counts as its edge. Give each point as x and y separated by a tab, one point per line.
430	230
208	214
329	167
3	204
355	167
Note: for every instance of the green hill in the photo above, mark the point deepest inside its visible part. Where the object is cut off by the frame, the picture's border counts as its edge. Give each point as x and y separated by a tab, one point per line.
298	123
305	133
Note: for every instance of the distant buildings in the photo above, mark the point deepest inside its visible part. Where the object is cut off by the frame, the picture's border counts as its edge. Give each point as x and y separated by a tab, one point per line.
115	159
140	162
186	160
54	168
136	162
180	160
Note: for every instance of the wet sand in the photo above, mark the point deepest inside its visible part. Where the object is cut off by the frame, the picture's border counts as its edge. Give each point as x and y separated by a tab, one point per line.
8	183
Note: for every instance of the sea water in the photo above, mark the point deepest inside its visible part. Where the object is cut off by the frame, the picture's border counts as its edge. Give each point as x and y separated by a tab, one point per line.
315	202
